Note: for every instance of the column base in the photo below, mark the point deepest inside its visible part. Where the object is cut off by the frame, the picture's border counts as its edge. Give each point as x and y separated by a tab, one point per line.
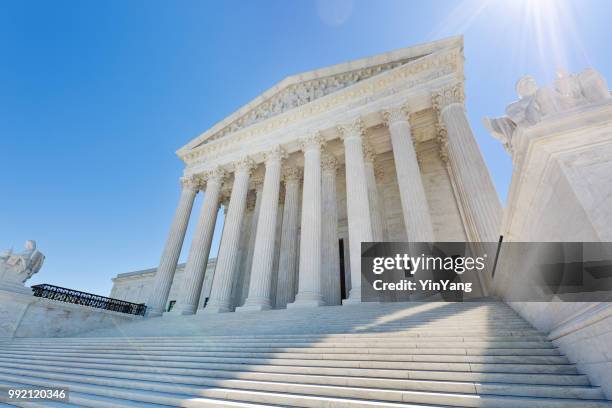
354	298
154	313
181	311
253	308
308	302
210	309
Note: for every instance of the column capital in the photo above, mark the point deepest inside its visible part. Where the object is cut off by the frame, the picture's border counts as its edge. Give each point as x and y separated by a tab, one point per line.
368	152
329	162
355	128
226	193
442	139
314	141
277	153
190	183
257	182
244	165
379	172
292	174
446	96
216	175
251	201
394	114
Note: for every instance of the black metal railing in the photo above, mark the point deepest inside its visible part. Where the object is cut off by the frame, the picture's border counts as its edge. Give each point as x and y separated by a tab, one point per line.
88	299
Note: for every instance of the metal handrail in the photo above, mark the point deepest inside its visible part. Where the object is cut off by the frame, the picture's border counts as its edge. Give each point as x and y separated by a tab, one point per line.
88	299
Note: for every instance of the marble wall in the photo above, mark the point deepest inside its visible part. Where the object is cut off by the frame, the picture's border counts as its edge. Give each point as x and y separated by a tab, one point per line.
23	315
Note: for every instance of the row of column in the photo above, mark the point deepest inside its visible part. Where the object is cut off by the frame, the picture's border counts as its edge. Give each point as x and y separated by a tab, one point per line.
318	243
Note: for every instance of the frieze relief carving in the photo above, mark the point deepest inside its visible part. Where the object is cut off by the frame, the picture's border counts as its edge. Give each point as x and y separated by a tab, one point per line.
414	74
302	93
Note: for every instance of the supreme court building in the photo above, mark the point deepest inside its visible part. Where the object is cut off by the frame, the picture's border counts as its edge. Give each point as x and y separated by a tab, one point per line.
378	149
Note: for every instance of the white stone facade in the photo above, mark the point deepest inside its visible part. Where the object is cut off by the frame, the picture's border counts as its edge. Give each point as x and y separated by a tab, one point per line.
560	140
407	169
136	286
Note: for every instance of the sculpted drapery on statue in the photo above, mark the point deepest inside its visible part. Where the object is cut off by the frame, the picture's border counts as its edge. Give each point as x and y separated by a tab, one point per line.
535	103
16	269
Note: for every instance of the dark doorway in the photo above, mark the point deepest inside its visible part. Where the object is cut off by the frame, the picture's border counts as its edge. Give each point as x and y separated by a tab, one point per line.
342	283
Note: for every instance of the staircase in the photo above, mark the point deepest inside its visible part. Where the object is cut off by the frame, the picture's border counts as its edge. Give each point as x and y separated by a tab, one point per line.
474	354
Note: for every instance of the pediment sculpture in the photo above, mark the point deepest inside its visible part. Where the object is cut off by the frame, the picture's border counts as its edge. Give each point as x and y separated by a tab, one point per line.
536	103
17	268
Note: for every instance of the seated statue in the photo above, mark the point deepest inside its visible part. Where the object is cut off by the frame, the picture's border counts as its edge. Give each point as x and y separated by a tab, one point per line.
16	269
535	103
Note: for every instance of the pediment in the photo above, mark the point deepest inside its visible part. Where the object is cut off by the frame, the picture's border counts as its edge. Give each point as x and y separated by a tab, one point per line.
298	90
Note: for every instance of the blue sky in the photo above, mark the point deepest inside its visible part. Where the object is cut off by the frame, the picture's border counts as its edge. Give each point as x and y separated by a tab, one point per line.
96	96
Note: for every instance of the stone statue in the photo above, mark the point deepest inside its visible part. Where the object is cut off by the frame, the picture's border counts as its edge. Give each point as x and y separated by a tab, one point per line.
16	269
535	103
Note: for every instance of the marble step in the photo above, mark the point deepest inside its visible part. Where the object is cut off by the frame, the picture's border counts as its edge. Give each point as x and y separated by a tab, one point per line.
414	343
398	365
399	348
399	334
416	357
256	398
306	350
245	380
309	395
433	336
197	368
109	399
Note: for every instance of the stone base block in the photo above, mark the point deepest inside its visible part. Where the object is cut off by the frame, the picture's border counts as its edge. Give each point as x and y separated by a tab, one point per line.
253	308
181	311
305	303
214	309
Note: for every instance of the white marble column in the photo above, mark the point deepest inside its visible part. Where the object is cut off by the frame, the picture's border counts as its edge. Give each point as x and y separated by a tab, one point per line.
330	269
172	250
374	195
243	249
415	209
479	195
309	279
246	261
193	277
287	264
357	202
260	285
220	297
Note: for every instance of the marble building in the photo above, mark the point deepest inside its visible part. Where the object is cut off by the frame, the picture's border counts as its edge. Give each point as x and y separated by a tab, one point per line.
369	150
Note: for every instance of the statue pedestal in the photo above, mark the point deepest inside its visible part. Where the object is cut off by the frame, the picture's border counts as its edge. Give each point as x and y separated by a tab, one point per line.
561	188
13	306
16	287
